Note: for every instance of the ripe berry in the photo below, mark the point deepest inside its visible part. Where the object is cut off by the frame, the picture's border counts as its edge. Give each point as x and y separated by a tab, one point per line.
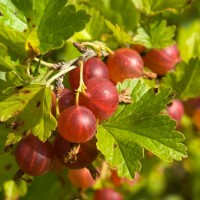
93	68
161	61
101	98
176	110
191	105
81	178
124	63
138	47
34	157
77	124
196	118
66	99
117	181
74	156
107	194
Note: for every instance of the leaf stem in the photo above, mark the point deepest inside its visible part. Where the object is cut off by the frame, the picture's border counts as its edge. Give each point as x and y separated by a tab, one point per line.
44	63
53	78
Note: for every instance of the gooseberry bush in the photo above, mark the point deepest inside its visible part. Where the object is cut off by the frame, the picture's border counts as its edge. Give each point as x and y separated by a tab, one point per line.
97	97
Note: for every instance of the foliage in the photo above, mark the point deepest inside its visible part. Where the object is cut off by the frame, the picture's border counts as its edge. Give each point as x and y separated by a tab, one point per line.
140	136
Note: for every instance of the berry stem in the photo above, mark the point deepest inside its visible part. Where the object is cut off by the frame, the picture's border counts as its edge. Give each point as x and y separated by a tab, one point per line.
93	171
82	87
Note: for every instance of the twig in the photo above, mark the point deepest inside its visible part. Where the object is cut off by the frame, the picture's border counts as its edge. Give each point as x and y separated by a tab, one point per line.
65	67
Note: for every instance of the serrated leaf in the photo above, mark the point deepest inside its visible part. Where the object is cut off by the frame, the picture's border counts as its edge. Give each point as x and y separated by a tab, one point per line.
35	117
185	79
13	39
94	27
14	100
65	21
140	125
119	152
39	26
151	35
121	36
27	109
153	7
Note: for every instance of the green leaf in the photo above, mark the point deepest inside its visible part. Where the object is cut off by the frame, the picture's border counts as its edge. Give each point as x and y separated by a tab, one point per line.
6	64
94	27
3	137
139	125
30	27
118	12
8	167
151	35
12	16
53	188
27	109
119	152
185	79
59	23
14	100
188	38
153	7
121	36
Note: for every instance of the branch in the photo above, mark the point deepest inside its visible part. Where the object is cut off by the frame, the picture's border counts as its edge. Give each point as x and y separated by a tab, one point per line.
65	67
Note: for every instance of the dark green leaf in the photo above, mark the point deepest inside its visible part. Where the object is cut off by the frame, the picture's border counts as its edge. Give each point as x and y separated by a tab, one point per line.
59	23
8	167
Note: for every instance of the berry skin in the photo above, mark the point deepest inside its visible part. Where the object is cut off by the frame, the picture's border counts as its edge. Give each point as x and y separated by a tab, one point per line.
196	118
101	98
124	63
191	105
77	124
75	158
117	181
137	47
92	68
34	157
53	103
107	194
66	99
81	178
176	110
161	61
